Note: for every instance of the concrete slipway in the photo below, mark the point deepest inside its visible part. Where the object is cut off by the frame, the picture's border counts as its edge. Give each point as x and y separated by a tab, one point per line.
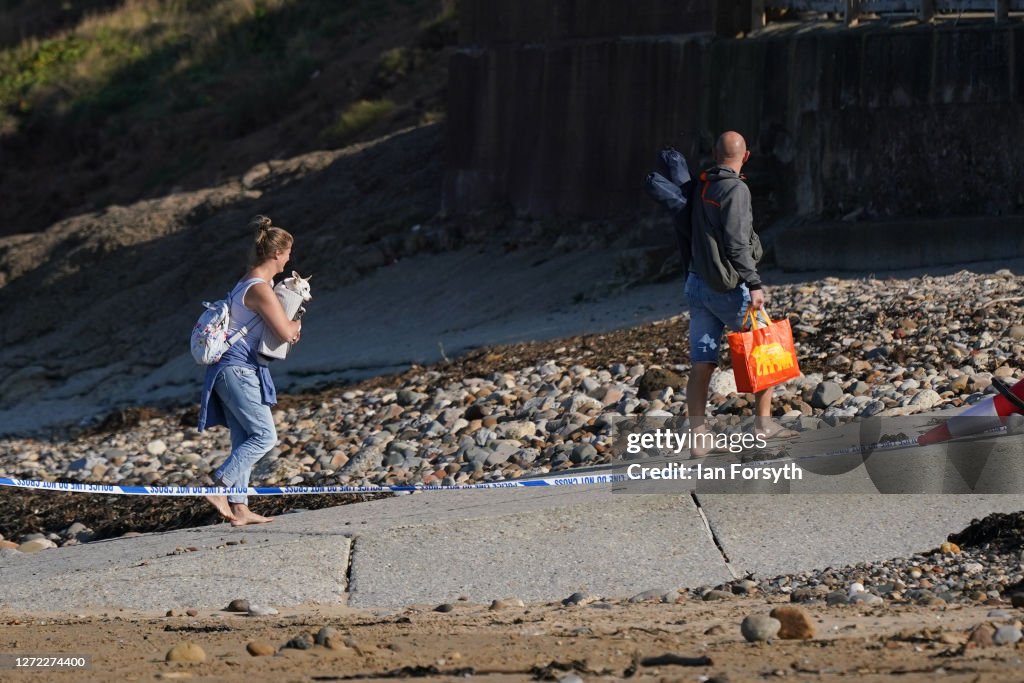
532	543
535	543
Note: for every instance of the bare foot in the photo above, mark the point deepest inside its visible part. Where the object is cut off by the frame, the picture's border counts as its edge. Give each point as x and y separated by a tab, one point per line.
244	516
221	503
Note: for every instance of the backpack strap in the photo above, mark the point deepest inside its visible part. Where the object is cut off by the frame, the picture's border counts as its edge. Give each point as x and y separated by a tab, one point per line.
244	329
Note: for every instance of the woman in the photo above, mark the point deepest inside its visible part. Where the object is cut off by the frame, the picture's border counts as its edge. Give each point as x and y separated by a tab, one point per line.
238	390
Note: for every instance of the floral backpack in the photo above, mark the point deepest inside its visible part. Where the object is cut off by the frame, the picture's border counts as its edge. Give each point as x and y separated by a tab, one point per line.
210	334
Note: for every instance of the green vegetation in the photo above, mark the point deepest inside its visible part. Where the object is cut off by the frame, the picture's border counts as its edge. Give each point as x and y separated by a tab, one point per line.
157	53
357	118
159	89
154	57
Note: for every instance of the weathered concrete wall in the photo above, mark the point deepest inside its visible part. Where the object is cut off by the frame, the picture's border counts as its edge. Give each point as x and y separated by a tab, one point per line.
878	246
566	129
487	22
897	122
917	122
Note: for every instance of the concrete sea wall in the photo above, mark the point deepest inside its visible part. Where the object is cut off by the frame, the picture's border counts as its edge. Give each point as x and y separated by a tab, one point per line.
558	110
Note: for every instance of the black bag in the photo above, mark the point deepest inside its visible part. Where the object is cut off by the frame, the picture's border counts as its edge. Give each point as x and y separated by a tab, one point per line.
663	191
672	165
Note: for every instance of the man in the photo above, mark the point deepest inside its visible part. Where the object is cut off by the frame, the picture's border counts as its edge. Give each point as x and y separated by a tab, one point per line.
720	251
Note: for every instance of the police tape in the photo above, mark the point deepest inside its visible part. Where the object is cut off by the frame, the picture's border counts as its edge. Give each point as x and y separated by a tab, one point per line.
560	481
115	489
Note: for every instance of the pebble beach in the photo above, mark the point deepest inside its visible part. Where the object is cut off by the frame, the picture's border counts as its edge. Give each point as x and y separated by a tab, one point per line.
868	347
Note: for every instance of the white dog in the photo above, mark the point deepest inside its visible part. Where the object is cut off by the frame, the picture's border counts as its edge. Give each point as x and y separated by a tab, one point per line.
298	284
292	292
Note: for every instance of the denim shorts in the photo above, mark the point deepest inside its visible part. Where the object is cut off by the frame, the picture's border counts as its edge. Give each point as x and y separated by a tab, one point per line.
710	313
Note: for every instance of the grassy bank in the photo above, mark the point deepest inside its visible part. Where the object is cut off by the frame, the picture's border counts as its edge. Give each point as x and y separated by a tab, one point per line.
137	98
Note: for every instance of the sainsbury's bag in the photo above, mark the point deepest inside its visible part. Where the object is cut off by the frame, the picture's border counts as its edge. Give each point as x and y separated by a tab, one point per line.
764	355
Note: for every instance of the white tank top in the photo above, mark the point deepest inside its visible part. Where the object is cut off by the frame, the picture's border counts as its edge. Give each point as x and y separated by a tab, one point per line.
242	315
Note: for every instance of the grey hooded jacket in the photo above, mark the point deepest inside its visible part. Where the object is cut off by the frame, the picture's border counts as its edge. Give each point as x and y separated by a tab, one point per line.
719	231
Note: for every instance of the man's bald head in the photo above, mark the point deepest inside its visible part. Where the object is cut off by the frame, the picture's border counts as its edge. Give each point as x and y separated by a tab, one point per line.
731	148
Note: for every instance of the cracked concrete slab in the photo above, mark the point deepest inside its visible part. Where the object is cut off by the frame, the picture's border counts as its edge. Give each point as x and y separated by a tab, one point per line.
604	544
780	534
146	572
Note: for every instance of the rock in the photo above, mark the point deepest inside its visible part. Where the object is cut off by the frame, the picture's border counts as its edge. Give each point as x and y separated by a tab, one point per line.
260	648
759	627
237	605
408	397
8	545
825	394
445	607
796	622
716	630
337	641
723	382
503	451
187	652
656	379
611	396
583	453
926	399
507	603
806	595
879	352
36	545
261	611
300	642
578	598
959	384
192	612
86	464
1007	635
717	595
653	595
516	430
982	636
836	598
74	530
866	599
948	548
326	632
978	383
1016	600
571	678
271	470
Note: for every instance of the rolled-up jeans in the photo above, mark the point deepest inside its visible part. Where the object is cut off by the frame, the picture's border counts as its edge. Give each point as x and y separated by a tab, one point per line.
251	423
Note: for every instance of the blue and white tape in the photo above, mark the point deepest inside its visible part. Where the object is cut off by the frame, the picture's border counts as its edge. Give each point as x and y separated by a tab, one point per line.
569	480
576	480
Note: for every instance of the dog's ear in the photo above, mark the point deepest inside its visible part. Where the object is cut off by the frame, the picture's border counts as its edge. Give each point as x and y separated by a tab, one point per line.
309	278
296	275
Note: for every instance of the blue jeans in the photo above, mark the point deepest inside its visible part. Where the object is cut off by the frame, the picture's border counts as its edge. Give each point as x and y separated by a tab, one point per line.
252	426
710	313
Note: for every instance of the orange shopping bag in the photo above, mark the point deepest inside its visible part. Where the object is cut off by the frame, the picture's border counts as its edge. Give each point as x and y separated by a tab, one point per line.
764	355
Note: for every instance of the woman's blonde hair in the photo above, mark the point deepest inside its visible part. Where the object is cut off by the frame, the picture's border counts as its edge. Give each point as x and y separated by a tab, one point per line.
270	239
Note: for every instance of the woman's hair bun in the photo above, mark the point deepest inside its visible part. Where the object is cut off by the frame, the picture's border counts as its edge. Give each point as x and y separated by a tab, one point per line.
261	224
270	240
